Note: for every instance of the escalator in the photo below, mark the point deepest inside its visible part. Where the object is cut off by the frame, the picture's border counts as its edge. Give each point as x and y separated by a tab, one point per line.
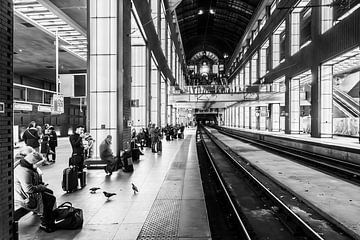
346	103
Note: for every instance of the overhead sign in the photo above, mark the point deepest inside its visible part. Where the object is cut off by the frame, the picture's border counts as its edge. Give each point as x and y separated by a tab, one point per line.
23	107
57	104
2	107
42	108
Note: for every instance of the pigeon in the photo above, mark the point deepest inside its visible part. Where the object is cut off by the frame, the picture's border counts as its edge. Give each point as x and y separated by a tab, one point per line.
134	188
108	195
94	189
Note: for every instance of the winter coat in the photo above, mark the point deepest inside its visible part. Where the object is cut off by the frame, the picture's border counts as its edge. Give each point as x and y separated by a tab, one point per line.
53	139
77	144
27	182
105	151
31	137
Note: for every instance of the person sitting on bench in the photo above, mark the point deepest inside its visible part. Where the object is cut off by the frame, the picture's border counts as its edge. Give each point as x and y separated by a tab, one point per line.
30	192
106	154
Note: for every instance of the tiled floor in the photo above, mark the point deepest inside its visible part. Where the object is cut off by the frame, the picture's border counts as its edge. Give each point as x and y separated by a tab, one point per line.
172	175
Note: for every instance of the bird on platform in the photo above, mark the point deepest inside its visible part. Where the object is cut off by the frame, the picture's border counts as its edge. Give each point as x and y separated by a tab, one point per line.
108	195
134	188
94	189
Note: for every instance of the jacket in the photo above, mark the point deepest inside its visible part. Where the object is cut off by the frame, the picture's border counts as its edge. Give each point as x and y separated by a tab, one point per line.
31	137
105	151
27	182
53	138
76	144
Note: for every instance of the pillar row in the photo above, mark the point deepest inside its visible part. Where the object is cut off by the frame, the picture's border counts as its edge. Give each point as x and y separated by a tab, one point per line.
109	82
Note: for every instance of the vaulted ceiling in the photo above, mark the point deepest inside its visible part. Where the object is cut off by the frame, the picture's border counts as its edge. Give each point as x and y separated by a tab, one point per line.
213	25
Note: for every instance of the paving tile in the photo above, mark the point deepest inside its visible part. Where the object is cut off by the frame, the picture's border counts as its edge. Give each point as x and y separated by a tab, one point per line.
97	232
193	219
128	231
123	216
193	190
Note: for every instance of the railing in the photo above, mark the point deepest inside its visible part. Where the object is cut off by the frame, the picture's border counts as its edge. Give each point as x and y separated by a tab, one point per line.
32	95
221	89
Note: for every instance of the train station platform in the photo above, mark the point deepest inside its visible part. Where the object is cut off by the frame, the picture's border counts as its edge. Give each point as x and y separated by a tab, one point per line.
334	198
344	148
170	203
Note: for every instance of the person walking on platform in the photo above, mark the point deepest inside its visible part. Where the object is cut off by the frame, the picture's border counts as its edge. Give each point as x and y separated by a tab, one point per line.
76	141
31	136
106	154
52	143
45	149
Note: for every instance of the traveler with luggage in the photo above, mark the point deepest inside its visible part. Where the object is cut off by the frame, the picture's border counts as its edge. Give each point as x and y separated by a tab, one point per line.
76	141
30	192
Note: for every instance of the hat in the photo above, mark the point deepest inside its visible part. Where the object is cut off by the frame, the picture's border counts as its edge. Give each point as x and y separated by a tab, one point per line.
33	157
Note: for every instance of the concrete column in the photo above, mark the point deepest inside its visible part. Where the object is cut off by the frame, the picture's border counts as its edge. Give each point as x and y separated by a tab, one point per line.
6	116
241	117
262	118
109	71
170	114
275	117
148	86
321	102
158	22
166	103
247	117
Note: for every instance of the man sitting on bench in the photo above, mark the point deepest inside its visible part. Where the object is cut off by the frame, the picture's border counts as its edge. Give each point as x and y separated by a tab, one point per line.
106	154
30	192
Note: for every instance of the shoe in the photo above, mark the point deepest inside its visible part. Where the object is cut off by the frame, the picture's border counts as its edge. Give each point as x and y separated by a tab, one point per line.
105	170
110	173
47	228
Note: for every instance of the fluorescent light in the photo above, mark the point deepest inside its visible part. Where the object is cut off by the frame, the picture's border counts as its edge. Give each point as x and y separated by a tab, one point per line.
201	12
211	11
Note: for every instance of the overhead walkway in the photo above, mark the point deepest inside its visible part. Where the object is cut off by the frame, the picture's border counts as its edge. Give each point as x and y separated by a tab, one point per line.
170	203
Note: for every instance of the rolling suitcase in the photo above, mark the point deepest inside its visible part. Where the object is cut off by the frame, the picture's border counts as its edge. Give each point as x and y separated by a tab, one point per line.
82	177
159	146
70	179
128	163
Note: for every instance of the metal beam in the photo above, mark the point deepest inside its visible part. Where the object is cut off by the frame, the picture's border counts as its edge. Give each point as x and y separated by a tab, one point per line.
58	12
144	12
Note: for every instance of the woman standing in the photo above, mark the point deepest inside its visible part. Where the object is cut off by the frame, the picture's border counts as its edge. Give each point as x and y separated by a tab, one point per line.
52	143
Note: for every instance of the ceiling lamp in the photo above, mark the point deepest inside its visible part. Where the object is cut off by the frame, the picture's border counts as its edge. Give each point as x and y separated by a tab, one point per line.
226	55
201	12
212	11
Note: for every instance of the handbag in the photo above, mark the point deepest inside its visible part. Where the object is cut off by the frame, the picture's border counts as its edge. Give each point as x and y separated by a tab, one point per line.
68	217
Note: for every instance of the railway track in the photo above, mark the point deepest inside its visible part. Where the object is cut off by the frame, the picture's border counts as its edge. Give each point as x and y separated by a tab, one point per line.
346	170
259	212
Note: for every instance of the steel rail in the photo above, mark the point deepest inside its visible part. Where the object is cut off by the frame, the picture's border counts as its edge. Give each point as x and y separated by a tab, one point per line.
225	190
311	232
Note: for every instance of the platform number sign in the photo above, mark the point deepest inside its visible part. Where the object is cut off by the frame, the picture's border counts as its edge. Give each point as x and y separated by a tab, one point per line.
57	104
2	107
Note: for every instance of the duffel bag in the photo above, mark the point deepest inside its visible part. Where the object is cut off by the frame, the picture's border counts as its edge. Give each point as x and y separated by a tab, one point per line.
68	217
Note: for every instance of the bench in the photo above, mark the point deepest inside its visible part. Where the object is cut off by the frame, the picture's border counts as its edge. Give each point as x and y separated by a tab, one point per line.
18	214
95	164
